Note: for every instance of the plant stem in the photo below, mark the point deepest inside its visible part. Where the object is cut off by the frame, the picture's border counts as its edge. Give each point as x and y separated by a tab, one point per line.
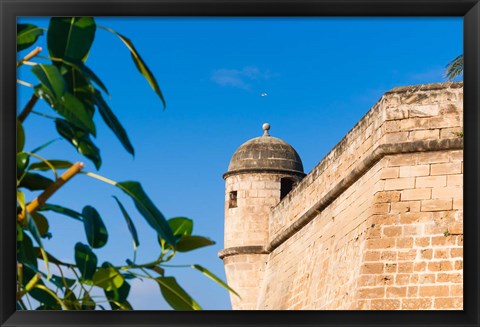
49	191
41	114
28	108
31	284
29	56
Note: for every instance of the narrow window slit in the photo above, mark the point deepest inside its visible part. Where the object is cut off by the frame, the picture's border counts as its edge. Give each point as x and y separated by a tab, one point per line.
233	200
286	185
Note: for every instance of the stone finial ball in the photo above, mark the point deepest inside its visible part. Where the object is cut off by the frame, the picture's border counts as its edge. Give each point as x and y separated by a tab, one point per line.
266	126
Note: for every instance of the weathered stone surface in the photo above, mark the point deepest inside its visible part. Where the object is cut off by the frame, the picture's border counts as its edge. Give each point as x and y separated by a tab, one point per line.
263	154
376	225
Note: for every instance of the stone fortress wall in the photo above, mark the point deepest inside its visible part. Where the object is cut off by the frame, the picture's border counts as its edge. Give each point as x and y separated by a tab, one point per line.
376	225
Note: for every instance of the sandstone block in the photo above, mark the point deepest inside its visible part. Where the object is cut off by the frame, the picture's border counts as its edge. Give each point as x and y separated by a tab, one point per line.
412	291
396	137
405	267
456	252
440	266
446	168
387	196
408	255
441	254
386	243
416	304
424	134
456	290
372	268
389	256
419	266
412	171
387	304
416	194
392	231
436	291
424	110
426	254
371	293
399	183
447	192
436	205
449	303
405	206
402	160
433	157
422	241
390	267
449	278
415	217
426	279
372	256
396	292
402	279
430	181
380	208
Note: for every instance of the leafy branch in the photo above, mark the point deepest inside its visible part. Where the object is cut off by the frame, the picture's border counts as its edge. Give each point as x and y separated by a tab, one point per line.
74	93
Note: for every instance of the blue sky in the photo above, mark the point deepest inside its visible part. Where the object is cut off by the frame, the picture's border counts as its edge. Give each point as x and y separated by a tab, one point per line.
321	75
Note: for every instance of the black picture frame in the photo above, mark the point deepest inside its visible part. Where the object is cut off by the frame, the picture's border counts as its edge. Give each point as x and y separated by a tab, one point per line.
469	9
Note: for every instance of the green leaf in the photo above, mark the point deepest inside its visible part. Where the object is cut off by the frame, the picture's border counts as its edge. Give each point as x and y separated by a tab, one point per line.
192	242
20	137
86	260
181	226
159	270
43	146
22	162
128	275
57	164
126	306
35	182
86	72
45	298
26	253
38	294
27	34
41	222
130	225
33	229
51	258
148	210
210	275
95	229
80	140
108	278
80	87
175	296
113	123
118	295
140	64
62	210
87	302
70	300
75	112
62	282
70	37
51	79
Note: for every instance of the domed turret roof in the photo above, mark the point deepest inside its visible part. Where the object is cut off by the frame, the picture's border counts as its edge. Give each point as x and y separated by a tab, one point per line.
265	154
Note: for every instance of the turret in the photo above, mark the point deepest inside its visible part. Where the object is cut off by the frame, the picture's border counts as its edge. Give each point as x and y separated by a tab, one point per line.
261	172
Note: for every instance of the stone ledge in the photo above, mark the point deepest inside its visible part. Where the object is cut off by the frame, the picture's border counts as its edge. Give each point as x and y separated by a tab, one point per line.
263	171
426	87
367	134
247	249
362	167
